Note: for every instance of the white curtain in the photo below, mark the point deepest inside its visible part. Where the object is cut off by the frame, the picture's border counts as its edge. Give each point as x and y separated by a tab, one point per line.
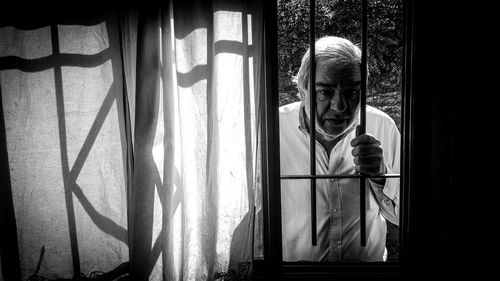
104	171
63	111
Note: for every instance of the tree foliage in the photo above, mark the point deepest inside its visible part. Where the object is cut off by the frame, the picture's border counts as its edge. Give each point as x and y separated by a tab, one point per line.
343	18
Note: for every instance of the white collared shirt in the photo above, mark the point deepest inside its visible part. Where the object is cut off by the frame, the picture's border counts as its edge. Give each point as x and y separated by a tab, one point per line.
337	199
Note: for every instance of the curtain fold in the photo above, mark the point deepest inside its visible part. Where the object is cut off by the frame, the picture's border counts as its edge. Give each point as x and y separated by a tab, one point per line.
205	144
147	103
131	142
9	251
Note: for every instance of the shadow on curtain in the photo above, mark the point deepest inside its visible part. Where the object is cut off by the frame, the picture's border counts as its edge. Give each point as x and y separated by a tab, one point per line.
135	126
62	98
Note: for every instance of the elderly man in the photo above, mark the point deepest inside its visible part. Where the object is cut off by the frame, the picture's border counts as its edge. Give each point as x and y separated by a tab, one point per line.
338	151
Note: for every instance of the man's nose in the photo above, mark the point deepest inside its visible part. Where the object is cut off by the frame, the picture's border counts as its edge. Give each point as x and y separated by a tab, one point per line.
337	102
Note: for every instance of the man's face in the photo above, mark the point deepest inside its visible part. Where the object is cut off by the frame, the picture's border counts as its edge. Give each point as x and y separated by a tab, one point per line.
337	102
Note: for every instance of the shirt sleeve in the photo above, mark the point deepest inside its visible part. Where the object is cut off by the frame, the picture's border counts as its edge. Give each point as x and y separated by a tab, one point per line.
388	198
388	194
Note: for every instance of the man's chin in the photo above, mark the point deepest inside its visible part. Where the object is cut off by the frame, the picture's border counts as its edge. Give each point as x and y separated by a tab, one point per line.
333	132
334	135
330	134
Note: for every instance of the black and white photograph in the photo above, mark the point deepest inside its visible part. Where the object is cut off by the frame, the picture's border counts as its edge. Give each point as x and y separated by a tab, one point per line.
221	140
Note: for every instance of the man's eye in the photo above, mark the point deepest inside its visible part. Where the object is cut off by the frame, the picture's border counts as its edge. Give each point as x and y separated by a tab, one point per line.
352	93
326	92
323	94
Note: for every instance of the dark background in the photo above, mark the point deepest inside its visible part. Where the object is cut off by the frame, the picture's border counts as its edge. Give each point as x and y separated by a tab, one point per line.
451	216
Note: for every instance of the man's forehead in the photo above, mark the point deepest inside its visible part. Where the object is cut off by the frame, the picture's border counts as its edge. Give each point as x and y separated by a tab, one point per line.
334	84
337	74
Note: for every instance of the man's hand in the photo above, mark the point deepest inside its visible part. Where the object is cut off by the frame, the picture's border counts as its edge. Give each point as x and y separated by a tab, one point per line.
368	155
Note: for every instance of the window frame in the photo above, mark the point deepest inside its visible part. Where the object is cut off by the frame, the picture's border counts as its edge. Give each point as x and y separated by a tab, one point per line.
271	266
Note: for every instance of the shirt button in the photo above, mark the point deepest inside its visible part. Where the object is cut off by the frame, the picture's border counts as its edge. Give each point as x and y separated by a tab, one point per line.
335	210
338	243
332	180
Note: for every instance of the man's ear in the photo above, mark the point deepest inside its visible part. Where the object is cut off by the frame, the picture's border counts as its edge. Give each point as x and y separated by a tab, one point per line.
302	95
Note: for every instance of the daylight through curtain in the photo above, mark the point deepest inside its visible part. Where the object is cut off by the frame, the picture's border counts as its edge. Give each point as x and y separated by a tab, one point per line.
131	142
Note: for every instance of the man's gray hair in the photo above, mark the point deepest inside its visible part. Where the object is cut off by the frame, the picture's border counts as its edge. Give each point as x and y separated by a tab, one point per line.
333	51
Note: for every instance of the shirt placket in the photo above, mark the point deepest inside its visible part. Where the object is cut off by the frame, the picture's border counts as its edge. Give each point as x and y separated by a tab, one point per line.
335	196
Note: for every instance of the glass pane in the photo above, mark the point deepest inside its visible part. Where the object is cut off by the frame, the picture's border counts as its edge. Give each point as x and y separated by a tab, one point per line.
338	24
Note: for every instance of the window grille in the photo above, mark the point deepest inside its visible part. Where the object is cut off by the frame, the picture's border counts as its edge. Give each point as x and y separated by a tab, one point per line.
272	263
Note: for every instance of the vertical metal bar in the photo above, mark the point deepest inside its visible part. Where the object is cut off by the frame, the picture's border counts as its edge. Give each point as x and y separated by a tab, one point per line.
271	191
362	121
312	118
407	128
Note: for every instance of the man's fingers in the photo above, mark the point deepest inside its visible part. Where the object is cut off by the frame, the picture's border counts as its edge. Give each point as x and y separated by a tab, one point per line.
366	149
368	155
368	159
364	139
369	170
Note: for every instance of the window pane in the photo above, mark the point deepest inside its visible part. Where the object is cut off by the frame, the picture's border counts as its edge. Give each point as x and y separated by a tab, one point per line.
337	86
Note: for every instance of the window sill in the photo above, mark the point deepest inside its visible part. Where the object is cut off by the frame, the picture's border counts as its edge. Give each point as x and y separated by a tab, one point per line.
327	271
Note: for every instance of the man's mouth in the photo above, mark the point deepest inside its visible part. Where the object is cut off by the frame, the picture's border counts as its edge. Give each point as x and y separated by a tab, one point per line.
336	122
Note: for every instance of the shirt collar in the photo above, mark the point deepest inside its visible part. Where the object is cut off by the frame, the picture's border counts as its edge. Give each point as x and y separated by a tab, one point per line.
302	122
